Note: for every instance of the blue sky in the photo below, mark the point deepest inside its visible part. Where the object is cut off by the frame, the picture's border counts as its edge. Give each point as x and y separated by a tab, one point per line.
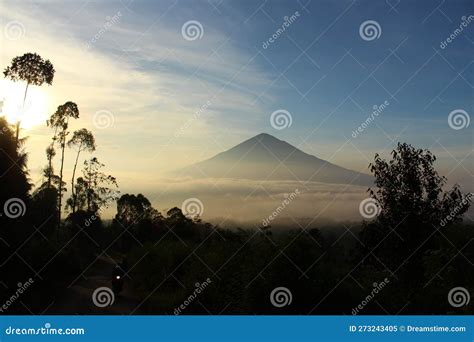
320	70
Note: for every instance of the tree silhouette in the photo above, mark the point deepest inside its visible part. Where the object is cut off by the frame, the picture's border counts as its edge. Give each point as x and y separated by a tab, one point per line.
60	122
96	189
32	69
413	206
83	140
14	181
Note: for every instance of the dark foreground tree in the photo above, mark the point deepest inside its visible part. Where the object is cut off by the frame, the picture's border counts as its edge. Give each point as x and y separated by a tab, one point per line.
60	122
82	140
414	210
32	69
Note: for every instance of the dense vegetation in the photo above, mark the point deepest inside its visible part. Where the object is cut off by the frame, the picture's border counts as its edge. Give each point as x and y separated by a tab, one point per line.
417	246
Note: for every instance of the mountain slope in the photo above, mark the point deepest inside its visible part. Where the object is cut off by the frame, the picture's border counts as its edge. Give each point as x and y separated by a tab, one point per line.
265	157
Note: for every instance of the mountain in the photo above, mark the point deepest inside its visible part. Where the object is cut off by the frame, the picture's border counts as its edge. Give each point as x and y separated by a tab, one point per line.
265	157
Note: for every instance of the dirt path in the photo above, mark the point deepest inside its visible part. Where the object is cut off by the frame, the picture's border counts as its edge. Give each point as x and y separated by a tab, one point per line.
77	300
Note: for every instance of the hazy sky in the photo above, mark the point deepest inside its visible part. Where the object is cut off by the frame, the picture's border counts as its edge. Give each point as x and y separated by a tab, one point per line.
168	99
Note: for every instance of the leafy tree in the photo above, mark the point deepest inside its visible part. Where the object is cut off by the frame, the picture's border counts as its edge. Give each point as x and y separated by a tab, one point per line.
95	190
131	209
60	122
83	140
413	207
32	69
14	182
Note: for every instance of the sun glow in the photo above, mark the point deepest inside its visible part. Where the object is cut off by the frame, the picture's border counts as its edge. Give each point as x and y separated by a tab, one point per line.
34	111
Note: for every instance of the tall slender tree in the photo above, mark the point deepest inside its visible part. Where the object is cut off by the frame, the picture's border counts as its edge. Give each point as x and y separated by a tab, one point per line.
60	121
32	69
83	140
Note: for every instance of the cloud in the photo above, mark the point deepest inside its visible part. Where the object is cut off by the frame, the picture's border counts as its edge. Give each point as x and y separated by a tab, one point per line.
151	79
